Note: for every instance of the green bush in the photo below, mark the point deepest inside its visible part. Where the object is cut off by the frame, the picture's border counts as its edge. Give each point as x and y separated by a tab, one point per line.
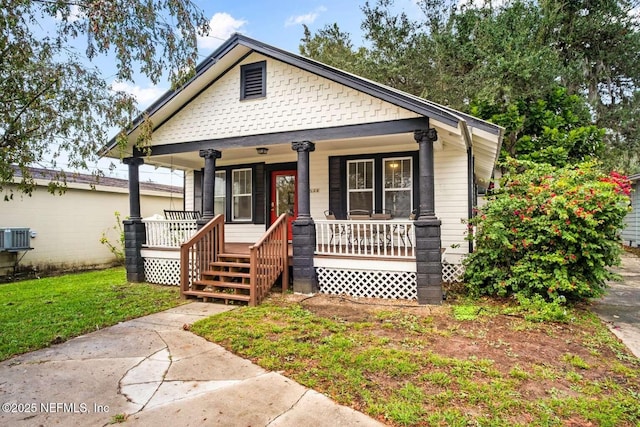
549	231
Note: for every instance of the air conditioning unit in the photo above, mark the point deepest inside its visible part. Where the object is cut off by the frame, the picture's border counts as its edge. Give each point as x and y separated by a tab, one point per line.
13	239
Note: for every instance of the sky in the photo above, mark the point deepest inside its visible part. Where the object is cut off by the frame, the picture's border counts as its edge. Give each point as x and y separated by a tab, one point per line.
278	23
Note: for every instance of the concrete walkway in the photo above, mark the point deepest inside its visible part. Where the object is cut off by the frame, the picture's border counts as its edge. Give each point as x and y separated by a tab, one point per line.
620	307
157	374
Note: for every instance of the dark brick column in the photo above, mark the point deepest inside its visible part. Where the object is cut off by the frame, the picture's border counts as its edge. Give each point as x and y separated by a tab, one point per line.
134	230
304	229
427	226
210	155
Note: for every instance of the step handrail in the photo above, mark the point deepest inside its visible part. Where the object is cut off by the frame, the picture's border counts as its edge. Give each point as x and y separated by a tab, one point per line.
270	259
197	253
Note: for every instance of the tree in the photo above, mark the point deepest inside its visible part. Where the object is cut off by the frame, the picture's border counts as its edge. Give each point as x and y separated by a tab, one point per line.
54	100
399	53
513	56
557	129
599	44
333	47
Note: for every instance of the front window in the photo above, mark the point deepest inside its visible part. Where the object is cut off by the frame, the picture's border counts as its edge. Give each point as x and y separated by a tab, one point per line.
220	192
242	199
360	185
398	188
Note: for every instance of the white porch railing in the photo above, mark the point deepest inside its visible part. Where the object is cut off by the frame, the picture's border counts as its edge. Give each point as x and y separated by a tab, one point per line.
164	233
351	238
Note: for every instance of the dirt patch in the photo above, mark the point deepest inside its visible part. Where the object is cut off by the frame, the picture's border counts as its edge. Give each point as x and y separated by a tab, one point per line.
547	355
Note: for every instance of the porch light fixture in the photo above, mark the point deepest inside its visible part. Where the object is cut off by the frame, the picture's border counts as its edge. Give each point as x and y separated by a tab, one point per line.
262	150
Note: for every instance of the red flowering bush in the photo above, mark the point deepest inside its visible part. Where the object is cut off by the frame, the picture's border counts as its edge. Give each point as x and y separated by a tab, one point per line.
550	232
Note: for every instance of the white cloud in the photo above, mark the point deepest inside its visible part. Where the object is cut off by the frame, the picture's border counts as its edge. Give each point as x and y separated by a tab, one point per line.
308	18
74	14
221	27
144	95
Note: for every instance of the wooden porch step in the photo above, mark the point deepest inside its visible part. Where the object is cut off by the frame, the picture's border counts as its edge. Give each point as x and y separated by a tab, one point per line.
237	257
229	264
218	295
221	284
239	274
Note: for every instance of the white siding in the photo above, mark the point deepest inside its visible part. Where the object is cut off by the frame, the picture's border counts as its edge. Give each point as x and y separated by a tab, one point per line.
451	199
188	191
295	100
243	233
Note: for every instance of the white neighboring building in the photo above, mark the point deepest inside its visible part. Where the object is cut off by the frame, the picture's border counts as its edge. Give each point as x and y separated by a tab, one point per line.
68	227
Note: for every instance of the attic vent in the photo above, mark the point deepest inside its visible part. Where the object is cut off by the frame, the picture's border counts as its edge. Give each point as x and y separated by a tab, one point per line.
253	80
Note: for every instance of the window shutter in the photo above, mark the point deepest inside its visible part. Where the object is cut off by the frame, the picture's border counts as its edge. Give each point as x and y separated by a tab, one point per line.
337	187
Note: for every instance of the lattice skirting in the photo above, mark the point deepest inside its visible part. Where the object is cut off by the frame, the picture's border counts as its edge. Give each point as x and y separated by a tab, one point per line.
452	273
367	283
162	271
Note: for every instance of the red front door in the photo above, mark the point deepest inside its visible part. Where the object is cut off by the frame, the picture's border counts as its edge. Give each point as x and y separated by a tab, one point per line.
284	190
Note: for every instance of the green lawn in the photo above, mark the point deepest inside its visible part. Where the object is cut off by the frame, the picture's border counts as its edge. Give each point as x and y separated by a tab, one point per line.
37	313
455	365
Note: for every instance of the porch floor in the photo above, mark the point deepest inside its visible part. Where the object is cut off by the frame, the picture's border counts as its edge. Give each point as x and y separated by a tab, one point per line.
366	252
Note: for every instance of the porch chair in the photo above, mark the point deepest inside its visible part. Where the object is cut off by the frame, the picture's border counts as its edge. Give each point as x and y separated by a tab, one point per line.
180	215
407	230
382	236
360	233
335	229
359	214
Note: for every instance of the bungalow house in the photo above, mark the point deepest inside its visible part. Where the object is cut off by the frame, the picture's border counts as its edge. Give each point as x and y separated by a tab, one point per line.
631	232
375	184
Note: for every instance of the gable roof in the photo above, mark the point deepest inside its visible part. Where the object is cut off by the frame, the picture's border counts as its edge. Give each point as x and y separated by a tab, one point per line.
238	47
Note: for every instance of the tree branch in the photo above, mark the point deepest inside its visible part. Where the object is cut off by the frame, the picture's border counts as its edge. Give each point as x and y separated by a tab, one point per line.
24	108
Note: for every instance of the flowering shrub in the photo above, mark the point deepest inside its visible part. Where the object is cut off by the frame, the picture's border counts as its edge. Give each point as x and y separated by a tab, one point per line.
550	232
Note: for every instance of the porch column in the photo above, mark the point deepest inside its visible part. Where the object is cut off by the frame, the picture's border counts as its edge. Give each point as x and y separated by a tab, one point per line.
303	227
210	155
134	230
427	226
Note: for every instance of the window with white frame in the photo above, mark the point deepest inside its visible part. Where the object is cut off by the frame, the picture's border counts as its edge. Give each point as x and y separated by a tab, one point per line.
398	186
241	195
220	192
360	185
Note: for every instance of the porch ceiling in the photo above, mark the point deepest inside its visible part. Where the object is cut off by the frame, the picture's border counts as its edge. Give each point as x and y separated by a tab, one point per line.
283	153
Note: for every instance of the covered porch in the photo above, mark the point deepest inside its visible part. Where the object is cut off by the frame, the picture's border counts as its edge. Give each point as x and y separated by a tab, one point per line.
373	257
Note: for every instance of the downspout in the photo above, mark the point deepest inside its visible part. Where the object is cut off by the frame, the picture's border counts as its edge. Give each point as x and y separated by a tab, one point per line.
636	199
470	192
466	133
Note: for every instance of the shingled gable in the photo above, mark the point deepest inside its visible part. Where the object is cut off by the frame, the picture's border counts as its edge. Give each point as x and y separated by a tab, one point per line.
483	136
